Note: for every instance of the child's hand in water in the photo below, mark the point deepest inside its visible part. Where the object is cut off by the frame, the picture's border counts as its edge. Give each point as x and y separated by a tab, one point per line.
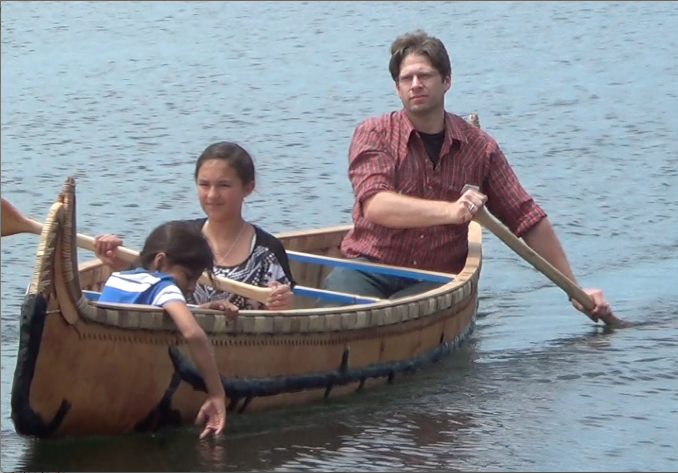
213	415
228	308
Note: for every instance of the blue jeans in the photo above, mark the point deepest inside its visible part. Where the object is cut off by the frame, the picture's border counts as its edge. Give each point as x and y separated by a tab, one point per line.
368	284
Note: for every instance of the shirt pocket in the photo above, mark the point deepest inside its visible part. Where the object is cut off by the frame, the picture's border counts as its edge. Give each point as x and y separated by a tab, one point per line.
410	177
452	180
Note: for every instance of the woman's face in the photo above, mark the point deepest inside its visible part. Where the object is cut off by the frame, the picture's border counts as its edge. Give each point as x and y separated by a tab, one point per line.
220	190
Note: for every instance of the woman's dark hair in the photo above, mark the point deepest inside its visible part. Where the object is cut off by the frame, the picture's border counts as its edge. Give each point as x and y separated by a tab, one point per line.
182	242
420	43
233	154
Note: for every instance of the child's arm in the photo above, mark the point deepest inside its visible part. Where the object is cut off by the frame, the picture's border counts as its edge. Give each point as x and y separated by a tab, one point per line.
198	344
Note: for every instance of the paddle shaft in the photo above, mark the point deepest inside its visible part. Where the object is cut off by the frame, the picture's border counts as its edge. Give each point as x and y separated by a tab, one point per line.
575	292
14	222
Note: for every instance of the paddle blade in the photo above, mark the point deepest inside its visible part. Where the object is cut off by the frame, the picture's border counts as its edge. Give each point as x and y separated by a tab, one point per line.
13	222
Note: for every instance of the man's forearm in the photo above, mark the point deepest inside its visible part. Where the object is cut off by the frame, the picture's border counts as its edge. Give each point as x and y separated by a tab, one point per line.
394	210
543	239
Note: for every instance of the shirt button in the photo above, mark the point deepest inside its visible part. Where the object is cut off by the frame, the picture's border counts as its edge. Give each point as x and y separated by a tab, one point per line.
421	236
414	262
430	187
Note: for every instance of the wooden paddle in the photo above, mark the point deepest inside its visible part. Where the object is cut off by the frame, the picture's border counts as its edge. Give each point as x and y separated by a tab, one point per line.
575	292
14	222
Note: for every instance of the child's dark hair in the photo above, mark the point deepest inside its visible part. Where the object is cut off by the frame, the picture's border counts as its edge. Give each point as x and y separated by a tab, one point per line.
233	154
182	242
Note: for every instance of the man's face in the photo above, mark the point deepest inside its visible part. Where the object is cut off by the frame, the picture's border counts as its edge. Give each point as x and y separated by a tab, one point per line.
420	86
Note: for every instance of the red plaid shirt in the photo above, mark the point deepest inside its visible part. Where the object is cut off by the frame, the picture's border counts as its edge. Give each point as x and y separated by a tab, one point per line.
386	154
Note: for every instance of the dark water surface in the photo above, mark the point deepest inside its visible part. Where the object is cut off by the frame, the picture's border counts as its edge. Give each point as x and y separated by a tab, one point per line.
582	97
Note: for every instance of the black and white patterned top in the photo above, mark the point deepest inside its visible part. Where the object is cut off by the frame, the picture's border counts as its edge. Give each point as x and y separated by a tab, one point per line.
267	262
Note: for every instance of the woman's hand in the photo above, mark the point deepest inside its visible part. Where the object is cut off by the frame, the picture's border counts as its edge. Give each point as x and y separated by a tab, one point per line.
281	297
105	248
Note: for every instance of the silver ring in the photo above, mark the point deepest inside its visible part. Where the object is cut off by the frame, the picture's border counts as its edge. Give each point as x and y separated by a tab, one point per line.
471	207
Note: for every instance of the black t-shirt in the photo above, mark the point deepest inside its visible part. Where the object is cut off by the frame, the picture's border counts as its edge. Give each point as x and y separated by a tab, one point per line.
433	144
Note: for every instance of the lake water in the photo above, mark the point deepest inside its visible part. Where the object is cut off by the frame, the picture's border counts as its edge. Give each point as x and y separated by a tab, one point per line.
582	97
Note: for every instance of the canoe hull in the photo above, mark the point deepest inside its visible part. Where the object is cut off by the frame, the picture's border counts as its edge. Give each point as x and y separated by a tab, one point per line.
90	369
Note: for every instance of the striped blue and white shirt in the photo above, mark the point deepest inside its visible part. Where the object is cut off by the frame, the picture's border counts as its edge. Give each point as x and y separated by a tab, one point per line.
140	286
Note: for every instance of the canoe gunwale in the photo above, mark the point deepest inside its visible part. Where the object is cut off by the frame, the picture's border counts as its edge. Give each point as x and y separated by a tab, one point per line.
328	320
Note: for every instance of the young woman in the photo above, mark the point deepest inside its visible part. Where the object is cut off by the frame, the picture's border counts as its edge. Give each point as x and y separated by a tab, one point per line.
174	256
225	176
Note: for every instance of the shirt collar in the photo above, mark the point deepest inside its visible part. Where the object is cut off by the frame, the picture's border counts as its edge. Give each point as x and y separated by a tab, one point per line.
453	130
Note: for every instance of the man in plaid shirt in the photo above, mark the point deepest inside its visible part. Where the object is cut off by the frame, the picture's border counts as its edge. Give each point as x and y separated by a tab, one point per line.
408	169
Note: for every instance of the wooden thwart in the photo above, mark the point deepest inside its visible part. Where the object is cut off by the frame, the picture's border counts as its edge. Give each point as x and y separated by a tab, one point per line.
334	296
399	271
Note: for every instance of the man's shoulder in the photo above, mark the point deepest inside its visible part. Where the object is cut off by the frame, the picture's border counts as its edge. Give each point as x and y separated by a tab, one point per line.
470	133
380	122
457	120
383	130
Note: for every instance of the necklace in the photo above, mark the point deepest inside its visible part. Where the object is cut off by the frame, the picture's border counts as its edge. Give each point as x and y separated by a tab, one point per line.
221	260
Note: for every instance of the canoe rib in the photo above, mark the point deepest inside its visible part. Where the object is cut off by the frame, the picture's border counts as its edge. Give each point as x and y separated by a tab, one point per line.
90	369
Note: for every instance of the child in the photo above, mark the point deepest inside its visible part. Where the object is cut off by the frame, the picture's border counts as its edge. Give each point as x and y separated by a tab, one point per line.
174	256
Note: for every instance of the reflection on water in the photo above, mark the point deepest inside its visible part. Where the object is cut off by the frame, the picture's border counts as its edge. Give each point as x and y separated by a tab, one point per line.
581	97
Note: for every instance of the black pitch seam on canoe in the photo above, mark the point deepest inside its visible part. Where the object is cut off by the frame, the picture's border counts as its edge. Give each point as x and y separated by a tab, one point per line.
248	388
162	415
26	421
